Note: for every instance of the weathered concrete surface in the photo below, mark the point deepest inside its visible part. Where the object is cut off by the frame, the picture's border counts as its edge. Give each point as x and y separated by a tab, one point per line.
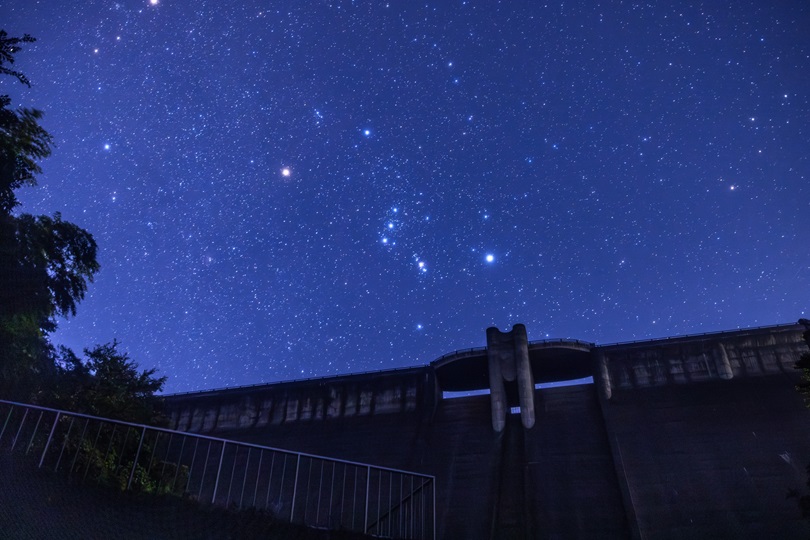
690	437
509	369
696	359
714	460
314	400
574	491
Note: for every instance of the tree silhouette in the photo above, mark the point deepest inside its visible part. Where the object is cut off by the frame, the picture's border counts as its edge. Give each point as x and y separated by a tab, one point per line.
108	384
45	262
23	142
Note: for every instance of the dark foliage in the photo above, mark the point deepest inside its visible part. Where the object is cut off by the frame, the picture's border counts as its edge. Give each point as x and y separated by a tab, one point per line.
107	384
23	142
45	262
53	262
8	47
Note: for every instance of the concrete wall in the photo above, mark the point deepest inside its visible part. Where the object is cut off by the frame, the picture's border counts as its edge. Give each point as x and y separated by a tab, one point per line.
574	491
691	437
708	434
304	401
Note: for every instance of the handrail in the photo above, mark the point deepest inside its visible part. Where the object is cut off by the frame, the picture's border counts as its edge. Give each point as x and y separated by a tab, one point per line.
409	497
210	467
217	439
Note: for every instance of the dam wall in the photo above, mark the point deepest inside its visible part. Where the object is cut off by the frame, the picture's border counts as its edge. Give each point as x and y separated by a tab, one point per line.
692	436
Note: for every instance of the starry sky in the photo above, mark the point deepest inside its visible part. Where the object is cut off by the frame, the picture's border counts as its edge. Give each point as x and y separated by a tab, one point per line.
284	189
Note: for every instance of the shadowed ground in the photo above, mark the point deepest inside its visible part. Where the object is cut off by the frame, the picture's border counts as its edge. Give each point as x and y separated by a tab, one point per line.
39	504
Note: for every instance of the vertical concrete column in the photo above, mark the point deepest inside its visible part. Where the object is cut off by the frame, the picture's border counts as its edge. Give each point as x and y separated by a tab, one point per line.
525	379
722	363
497	390
508	359
604	375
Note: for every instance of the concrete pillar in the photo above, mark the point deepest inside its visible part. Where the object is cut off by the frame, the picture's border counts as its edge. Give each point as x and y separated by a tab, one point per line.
508	358
604	375
724	370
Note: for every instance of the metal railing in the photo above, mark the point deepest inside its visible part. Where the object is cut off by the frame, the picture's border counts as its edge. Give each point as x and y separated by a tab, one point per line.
302	488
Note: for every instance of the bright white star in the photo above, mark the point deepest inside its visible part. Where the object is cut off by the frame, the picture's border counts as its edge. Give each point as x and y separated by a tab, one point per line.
490	257
286	172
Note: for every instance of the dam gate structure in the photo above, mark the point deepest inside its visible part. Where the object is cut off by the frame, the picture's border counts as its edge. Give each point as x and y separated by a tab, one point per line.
696	436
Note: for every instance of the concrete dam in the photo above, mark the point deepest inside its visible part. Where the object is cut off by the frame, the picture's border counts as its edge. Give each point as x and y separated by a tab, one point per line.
698	436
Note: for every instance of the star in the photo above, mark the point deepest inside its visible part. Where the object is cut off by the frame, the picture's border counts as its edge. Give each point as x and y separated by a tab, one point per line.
286	172
490	258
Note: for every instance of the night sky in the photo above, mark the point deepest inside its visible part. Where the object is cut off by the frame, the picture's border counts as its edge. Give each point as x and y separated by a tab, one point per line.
290	189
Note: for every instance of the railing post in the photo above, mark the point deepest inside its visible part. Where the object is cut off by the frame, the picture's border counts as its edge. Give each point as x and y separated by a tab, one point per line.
368	489
19	430
64	444
179	460
79	446
258	472
137	455
233	473
354	494
33	435
50	436
270	479
10	410
244	478
219	470
295	487
320	489
205	468
433	490
95	442
331	493
413	511
165	459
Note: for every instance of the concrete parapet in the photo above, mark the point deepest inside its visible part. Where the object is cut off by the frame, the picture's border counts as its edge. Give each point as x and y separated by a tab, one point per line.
305	401
676	361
